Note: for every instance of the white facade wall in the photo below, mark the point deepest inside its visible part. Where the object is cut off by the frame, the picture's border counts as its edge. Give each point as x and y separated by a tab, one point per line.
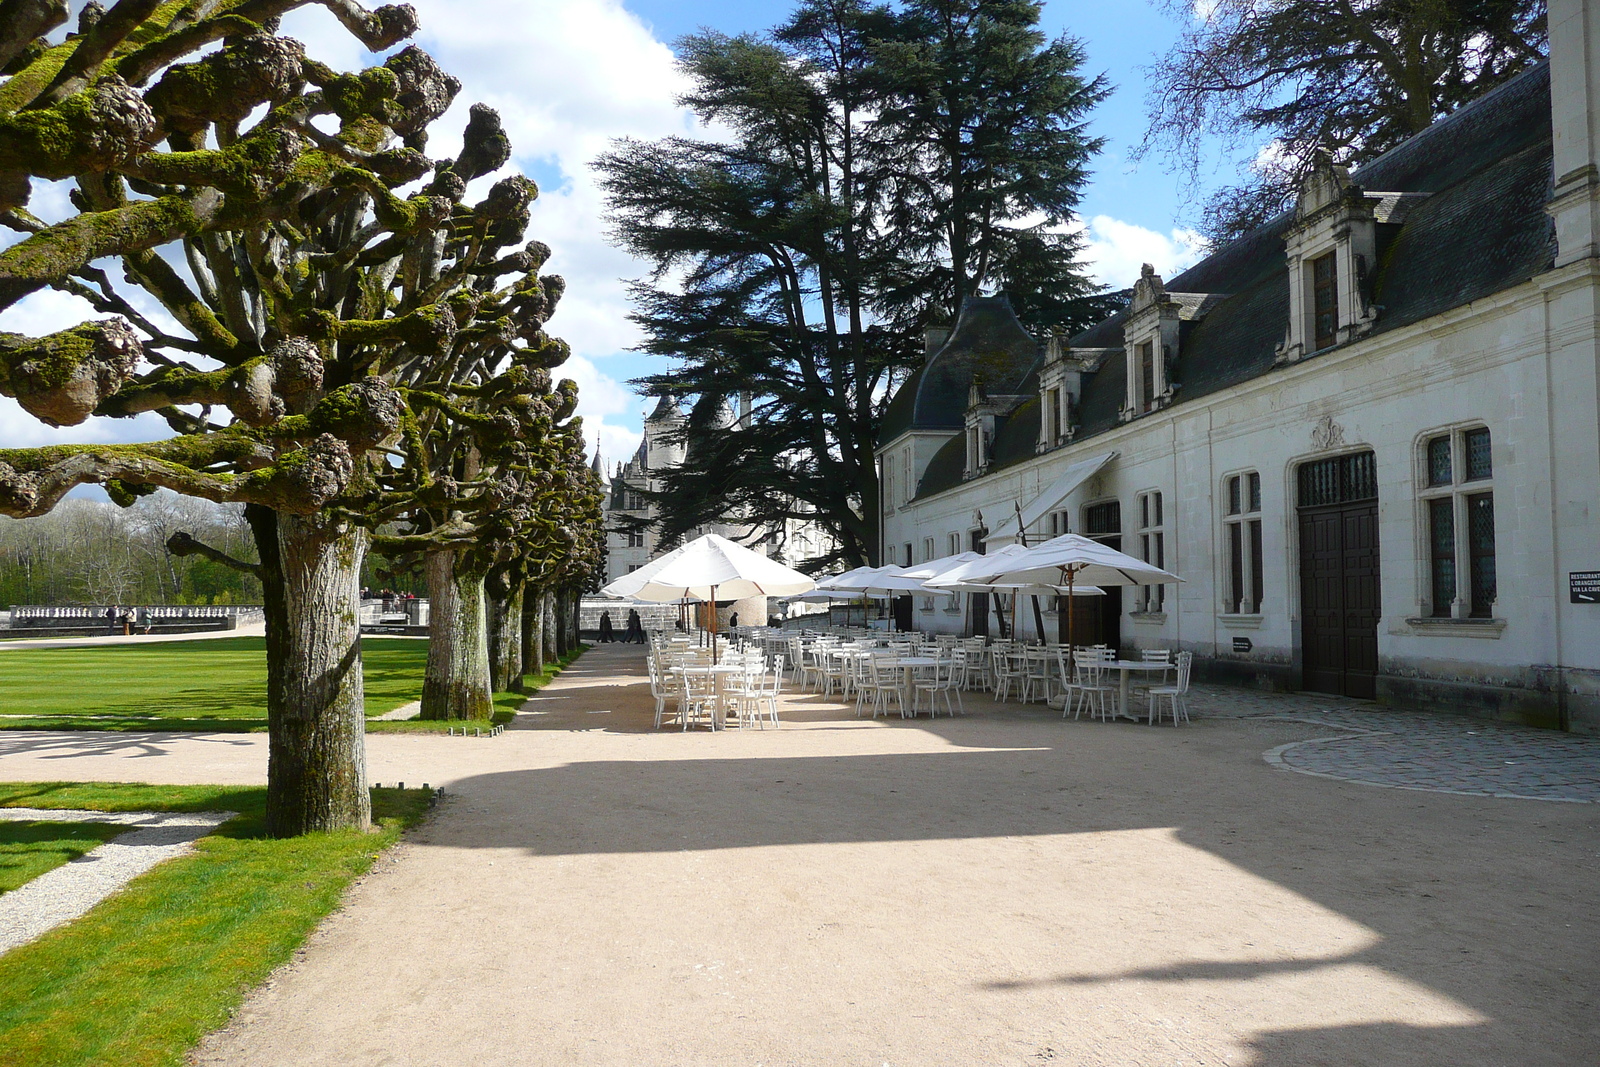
1525	363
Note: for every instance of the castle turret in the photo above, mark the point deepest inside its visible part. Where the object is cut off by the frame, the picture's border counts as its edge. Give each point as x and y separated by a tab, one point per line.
597	465
663	446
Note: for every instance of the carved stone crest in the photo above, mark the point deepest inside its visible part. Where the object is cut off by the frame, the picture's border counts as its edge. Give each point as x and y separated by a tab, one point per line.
1326	434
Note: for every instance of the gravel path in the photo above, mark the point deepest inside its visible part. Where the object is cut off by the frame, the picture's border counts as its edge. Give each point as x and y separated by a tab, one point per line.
402	713
70	890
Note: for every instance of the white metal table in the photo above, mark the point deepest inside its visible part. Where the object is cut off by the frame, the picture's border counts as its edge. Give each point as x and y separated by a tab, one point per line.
1125	666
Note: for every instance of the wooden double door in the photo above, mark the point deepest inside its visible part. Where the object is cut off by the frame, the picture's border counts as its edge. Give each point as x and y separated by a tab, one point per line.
1339	598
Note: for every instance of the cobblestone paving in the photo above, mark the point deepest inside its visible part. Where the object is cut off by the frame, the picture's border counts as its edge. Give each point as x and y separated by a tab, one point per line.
1415	749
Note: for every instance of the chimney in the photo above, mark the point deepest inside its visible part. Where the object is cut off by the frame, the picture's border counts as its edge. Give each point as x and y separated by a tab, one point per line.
1575	119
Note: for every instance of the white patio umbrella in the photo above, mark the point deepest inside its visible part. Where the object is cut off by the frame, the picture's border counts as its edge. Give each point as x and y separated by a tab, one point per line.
954	580
1065	559
885	579
840	583
935	567
705	568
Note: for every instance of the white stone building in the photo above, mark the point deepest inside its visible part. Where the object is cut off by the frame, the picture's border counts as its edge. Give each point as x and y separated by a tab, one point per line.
629	549
1368	434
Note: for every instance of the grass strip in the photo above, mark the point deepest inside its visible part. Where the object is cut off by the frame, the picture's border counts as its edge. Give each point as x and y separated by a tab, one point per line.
147	973
505	704
214	685
29	849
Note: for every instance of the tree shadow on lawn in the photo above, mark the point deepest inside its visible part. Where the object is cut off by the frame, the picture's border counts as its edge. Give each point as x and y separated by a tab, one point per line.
243	700
48	744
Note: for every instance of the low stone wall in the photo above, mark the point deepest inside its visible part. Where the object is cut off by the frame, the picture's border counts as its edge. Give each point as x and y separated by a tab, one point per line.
192	626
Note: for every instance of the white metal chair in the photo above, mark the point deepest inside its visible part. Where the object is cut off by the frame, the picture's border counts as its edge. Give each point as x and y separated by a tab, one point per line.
1071	689
941	679
1035	675
1094	692
755	697
661	690
697	699
883	681
1009	671
1173	693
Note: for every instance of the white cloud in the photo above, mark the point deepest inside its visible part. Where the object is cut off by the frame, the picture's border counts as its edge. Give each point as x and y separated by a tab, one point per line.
595	73
600	396
1115	250
566	79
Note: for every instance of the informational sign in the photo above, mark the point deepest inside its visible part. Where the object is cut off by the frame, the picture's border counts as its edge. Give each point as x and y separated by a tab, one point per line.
1242	644
1584	587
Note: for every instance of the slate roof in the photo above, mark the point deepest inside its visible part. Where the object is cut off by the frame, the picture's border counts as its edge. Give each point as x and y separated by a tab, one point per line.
1481	229
988	342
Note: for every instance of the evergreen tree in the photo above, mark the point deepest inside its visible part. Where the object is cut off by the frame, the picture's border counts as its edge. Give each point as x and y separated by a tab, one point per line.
883	165
1353	78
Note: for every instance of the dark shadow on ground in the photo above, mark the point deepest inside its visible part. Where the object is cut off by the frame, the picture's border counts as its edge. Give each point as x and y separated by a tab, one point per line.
71	745
1429	888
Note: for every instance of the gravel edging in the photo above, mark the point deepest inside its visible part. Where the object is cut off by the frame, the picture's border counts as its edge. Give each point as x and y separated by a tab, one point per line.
68	891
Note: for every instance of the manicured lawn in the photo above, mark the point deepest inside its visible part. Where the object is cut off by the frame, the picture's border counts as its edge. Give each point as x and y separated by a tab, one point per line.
141	978
28	849
505	706
180	685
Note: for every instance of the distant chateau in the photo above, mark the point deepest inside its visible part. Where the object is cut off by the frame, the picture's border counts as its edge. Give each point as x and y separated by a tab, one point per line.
660	451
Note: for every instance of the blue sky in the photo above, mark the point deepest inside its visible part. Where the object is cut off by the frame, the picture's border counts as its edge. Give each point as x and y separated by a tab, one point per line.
1119	38
568	76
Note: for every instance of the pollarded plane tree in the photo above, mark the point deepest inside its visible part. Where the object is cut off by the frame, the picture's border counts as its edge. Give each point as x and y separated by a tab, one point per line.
473	490
550	555
258	196
485	463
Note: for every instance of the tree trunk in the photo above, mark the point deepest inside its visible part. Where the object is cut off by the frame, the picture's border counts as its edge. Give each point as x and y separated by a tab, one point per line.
456	685
532	632
547	626
316	721
558	614
575	619
503	591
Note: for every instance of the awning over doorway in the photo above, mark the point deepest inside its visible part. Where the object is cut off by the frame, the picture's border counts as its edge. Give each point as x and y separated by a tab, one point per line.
1007	531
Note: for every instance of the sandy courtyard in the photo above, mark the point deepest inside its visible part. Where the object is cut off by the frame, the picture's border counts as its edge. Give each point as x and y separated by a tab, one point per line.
1003	888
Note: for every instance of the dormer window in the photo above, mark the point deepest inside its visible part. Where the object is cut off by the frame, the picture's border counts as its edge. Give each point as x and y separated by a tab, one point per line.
1330	249
977	449
1060	386
1325	300
1145	399
1151	339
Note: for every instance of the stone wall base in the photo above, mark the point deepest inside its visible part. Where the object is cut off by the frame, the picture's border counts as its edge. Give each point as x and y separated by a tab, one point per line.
1267	676
1552	698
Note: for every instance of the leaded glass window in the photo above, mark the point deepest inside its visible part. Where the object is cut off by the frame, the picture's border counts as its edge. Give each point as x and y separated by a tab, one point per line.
1325	300
1243	538
1439	461
1460	525
1442	553
1480	549
1475	444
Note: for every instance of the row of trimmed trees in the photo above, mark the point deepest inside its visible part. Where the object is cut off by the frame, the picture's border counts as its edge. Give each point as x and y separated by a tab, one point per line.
360	355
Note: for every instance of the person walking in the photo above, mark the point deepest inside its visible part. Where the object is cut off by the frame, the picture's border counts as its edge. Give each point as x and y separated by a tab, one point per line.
635	630
607	631
733	624
111	619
